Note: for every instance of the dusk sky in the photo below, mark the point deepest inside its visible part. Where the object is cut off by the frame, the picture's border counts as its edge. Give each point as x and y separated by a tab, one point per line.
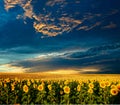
77	36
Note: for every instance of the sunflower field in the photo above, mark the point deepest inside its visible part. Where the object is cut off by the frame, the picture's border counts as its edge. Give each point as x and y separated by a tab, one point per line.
37	91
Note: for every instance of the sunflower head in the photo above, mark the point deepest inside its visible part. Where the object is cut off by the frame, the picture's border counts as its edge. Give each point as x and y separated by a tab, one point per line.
28	83
107	83
66	89
114	92
91	85
5	85
7	80
16	79
12	87
66	82
102	84
0	83
49	87
90	91
113	86
78	88
40	87
25	88
32	80
118	87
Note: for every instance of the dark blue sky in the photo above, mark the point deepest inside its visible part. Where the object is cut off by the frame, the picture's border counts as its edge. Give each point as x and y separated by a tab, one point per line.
52	35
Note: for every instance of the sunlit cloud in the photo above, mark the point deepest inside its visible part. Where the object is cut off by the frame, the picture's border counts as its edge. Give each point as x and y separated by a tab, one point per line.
25	4
10	68
75	70
65	24
89	70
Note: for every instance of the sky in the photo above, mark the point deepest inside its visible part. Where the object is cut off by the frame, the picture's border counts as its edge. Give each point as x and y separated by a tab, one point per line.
71	36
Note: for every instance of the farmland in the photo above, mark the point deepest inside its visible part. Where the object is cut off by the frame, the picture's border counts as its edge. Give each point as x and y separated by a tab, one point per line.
45	88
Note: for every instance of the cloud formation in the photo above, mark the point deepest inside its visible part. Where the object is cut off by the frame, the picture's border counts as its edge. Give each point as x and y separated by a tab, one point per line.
92	60
110	26
54	2
65	24
44	23
25	4
50	25
12	69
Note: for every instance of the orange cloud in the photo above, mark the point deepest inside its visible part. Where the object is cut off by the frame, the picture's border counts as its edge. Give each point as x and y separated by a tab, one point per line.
65	24
25	4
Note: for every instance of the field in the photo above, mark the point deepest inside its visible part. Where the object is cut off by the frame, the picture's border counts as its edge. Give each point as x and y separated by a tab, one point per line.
46	88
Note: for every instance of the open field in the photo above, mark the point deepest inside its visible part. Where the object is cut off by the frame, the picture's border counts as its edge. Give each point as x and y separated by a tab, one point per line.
48	76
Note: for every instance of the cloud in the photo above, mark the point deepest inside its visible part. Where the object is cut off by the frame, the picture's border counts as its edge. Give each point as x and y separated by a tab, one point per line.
25	4
111	25
4	16
113	12
10	68
41	23
94	52
65	24
51	21
56	2
100	59
47	29
87	28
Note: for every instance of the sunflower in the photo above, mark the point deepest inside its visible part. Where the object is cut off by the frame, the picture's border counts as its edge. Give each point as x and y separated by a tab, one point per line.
78	88
66	82
37	80
12	87
28	83
107	83
7	80
66	89
49	87
0	83
16	79
90	91
91	85
102	84
32	80
34	85
14	83
114	92
25	88
113	86
61	86
5	85
40	87
118	87
80	81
